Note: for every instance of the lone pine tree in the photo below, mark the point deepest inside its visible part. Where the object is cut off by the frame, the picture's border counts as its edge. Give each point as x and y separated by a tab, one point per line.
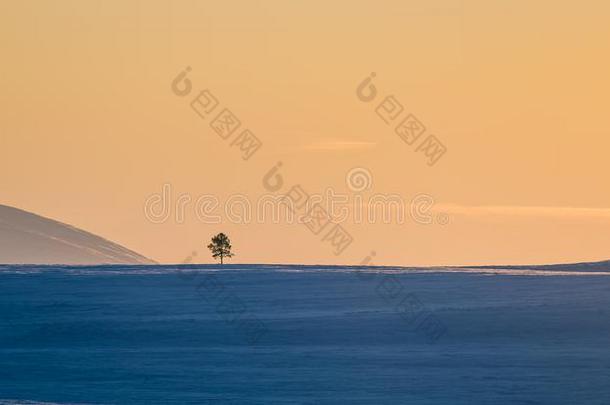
220	247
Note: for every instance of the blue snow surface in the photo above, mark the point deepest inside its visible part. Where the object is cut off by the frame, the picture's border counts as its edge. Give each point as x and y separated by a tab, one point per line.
283	334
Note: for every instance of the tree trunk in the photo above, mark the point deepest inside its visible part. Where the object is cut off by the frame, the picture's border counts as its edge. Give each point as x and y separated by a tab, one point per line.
221	258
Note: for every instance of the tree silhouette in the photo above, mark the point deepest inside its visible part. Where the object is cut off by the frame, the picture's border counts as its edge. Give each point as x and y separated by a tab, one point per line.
220	247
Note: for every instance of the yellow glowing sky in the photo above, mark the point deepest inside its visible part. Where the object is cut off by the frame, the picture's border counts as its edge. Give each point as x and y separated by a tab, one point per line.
518	91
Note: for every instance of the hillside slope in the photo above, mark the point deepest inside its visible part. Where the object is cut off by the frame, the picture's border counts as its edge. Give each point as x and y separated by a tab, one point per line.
32	239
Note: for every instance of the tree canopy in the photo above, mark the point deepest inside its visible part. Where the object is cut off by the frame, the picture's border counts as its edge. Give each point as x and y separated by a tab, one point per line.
220	247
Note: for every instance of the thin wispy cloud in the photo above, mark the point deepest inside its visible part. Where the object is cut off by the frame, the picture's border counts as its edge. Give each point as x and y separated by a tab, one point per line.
339	145
526	211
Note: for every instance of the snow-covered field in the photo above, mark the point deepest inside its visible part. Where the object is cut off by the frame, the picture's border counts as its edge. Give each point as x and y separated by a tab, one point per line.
304	334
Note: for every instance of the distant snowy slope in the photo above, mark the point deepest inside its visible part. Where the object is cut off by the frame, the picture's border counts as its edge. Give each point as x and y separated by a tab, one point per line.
32	239
601	266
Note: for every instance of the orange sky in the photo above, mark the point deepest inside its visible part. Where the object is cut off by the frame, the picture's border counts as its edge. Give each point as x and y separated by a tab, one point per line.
516	90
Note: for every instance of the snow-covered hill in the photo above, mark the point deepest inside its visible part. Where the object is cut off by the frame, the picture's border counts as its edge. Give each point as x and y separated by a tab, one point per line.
32	239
